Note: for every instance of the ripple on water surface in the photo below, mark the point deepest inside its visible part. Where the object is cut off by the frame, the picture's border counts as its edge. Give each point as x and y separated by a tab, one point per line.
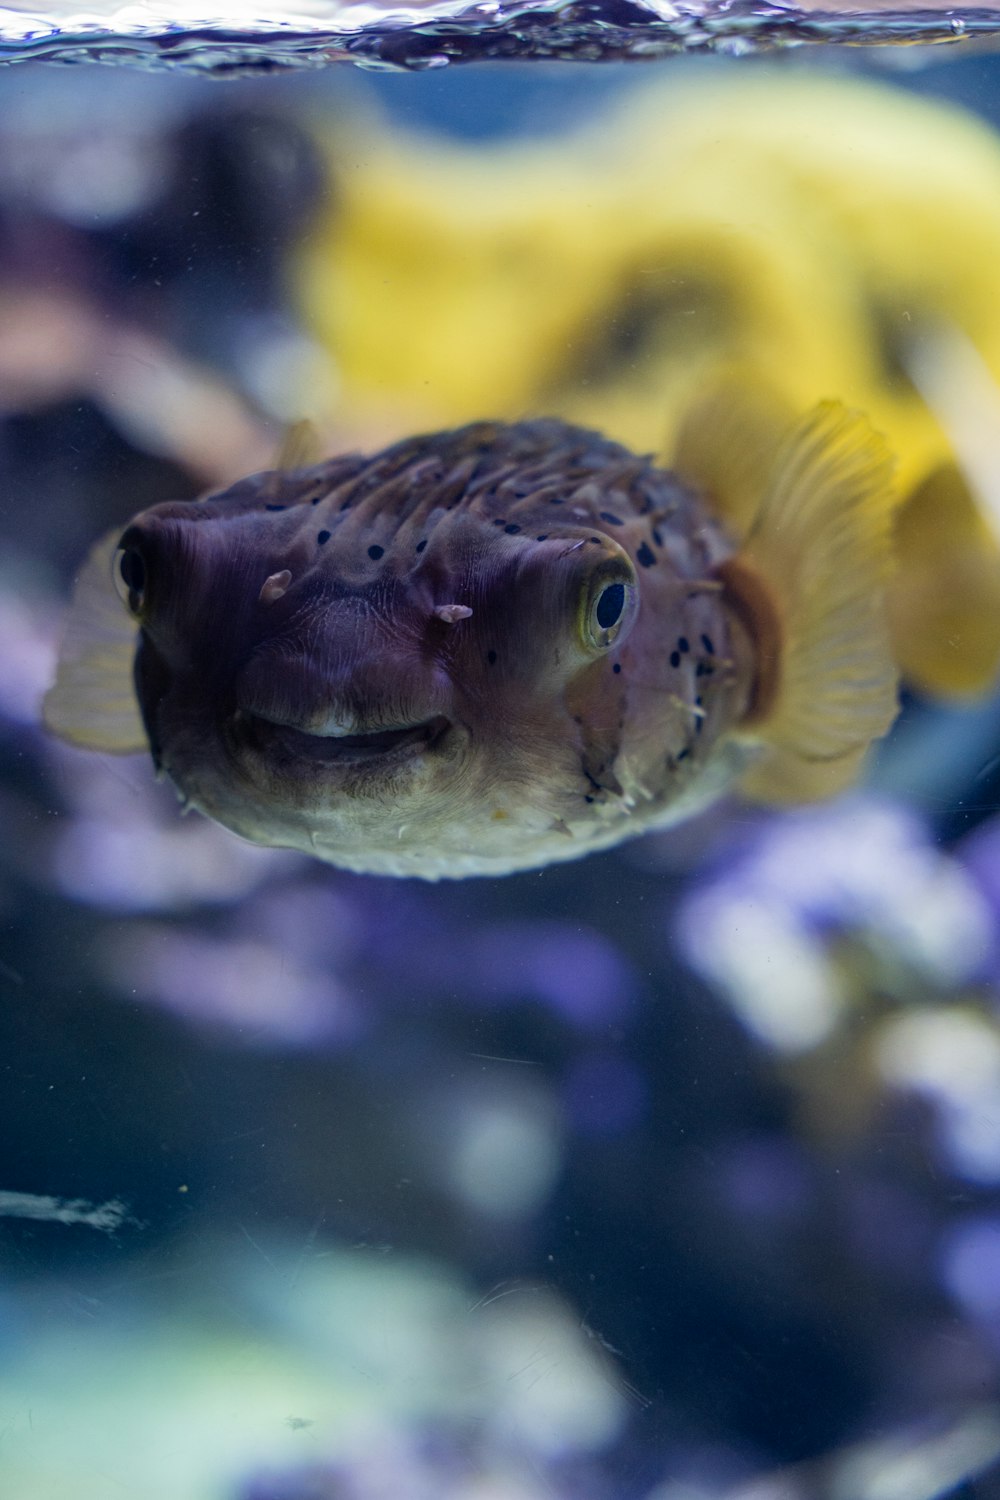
227	38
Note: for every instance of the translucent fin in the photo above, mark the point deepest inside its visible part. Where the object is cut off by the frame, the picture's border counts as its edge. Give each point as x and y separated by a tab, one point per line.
727	444
783	778
944	601
92	701
819	554
300	447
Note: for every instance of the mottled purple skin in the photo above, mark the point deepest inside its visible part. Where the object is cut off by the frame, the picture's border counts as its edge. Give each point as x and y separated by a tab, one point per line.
346	719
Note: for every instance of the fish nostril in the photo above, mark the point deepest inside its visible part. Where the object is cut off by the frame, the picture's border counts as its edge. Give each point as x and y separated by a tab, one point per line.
274	587
129	576
132	569
450	614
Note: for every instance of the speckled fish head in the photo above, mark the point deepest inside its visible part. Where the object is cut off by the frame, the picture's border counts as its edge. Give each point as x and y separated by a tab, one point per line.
443	660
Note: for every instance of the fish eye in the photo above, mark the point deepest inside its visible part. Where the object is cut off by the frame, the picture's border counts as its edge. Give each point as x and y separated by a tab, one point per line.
608	605
129	572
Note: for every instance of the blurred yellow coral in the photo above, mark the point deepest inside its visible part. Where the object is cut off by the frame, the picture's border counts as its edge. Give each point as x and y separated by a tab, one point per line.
802	226
808	232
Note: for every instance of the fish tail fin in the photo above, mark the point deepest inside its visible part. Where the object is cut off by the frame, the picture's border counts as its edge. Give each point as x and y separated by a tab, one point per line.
92	701
944	599
810	585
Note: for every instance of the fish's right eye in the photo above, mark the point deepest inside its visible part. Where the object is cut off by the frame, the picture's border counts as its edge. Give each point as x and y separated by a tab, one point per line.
129	573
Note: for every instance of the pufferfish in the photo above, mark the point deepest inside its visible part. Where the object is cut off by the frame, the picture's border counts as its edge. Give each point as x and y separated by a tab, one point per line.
493	648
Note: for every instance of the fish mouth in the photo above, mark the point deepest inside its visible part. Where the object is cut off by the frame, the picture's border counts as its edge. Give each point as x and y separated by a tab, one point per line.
378	745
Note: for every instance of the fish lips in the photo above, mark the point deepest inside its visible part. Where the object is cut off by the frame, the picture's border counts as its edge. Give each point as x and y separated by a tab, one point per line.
369	749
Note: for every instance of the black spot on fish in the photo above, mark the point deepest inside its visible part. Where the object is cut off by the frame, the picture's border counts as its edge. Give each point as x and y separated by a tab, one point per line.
683	644
683	754
617	667
275	507
556	501
706	641
512	530
543	538
376	552
500	521
422	545
675	658
322	538
646	555
611	520
597	540
587	797
655	534
491	657
316	499
346	505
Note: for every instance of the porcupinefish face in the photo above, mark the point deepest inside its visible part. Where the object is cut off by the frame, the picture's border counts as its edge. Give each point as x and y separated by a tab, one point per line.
488	649
396	684
446	660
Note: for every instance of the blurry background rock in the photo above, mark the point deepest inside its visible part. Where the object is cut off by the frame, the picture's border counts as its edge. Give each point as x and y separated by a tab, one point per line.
646	1177
145	341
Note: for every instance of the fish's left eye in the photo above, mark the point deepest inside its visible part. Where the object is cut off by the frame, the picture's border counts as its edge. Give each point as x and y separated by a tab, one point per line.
609	606
129	572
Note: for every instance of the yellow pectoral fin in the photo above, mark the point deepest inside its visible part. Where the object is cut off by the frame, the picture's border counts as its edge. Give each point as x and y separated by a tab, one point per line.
821	548
92	702
727	445
944	599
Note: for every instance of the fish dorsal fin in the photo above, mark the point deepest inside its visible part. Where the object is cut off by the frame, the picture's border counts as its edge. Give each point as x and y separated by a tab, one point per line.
727	444
944	600
300	447
92	701
819	553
